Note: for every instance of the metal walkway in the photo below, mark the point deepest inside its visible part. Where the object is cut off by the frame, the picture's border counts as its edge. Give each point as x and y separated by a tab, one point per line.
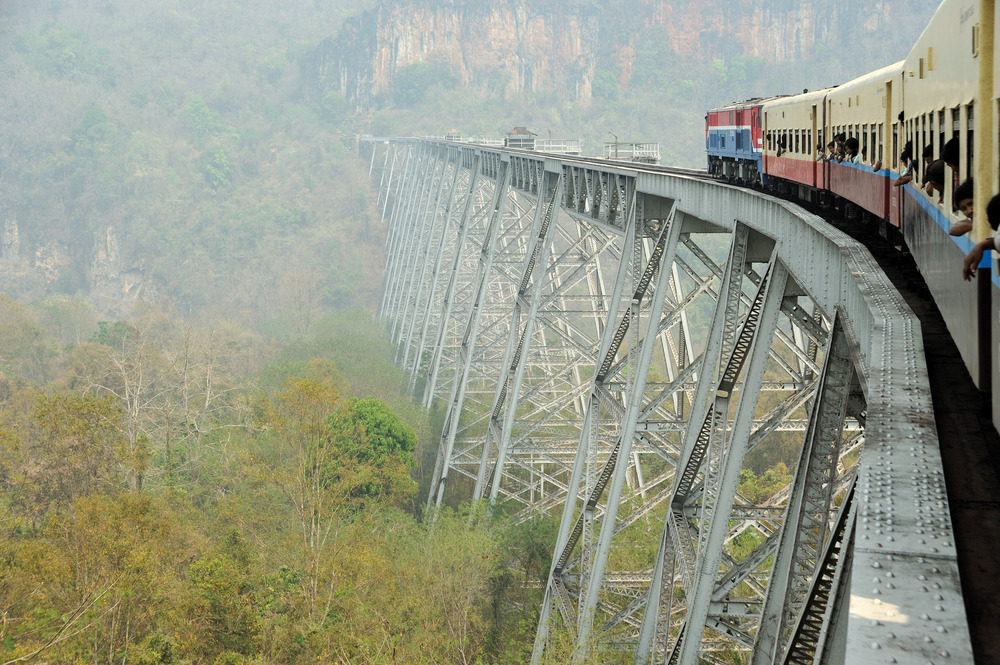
616	347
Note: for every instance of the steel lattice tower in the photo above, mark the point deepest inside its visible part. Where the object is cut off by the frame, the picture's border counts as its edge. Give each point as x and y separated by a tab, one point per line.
613	347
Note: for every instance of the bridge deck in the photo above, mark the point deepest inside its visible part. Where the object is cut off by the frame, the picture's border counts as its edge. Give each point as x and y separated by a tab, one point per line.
970	449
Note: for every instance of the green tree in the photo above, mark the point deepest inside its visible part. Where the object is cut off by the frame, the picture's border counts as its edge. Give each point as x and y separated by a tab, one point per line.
226	611
369	437
298	417
73	448
203	120
215	168
758	489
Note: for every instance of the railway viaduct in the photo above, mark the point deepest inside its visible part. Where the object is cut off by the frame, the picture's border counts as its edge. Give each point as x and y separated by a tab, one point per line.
614	345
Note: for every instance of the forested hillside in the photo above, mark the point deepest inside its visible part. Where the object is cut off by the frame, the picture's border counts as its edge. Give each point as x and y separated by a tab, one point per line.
166	497
205	452
168	150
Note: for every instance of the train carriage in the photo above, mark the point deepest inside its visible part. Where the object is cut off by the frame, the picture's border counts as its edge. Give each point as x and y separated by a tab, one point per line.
861	110
794	138
940	85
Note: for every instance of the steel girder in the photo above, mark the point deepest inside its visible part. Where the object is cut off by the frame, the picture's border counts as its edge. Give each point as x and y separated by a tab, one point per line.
584	377
536	275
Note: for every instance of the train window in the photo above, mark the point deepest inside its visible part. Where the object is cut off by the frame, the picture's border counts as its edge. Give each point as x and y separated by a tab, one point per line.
732	117
970	143
970	152
956	125
942	134
892	146
924	141
796	149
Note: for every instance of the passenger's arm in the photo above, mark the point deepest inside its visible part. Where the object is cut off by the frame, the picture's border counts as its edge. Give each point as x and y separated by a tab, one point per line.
960	228
973	258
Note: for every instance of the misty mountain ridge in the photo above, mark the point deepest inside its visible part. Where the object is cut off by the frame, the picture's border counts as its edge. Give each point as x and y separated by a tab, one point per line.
583	48
201	153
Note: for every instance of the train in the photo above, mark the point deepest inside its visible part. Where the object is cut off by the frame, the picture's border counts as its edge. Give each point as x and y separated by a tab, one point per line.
943	95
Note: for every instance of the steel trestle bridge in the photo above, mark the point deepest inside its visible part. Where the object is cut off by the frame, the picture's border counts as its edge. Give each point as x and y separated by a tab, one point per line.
616	347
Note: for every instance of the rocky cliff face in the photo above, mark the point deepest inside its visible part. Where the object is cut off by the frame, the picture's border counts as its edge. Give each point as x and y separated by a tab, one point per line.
532	45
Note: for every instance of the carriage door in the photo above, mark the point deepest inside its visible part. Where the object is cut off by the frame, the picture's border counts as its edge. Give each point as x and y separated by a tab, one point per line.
889	154
816	136
756	132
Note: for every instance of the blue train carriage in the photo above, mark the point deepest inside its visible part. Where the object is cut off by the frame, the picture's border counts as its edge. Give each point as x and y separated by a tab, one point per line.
734	142
941	90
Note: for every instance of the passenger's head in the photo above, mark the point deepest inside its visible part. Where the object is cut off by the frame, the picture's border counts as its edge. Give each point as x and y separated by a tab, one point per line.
950	153
935	173
852	145
907	154
963	198
928	153
993	212
831	145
